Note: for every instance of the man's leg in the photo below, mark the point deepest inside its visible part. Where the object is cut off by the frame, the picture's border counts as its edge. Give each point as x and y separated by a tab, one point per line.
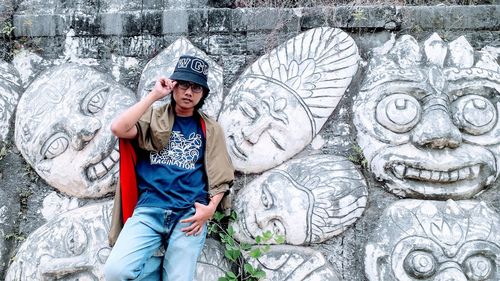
139	239
181	256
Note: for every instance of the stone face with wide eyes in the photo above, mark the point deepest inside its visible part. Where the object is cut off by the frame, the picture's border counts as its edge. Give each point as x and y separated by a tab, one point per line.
164	63
435	240
72	246
281	101
63	129
427	118
306	200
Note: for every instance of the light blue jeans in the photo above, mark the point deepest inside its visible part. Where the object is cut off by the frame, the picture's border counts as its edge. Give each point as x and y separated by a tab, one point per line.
149	228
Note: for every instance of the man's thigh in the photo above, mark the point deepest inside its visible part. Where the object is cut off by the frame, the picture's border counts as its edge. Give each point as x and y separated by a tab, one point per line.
139	239
182	252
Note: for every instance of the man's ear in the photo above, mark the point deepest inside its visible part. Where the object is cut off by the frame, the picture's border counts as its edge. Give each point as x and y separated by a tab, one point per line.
377	264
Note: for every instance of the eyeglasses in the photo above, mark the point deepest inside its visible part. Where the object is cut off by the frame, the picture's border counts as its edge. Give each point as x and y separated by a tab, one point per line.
195	88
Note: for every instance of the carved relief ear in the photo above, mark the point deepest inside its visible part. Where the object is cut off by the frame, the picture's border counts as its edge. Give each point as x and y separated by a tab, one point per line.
377	267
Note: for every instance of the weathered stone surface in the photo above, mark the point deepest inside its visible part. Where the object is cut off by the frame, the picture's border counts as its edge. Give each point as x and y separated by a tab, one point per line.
435	240
72	246
163	65
212	264
286	95
63	120
307	200
10	89
292	263
427	118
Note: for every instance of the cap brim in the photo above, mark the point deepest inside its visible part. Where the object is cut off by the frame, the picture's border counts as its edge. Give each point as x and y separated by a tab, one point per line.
190	77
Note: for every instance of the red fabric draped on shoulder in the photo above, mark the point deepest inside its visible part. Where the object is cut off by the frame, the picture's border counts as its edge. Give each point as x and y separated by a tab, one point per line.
128	180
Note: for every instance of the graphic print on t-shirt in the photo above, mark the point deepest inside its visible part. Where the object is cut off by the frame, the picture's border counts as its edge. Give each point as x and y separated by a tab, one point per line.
181	151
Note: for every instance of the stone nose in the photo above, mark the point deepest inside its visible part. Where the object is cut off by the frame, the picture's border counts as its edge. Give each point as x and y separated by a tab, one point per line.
450	274
436	129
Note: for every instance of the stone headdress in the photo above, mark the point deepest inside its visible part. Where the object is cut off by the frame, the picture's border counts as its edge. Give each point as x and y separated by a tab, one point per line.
406	58
336	190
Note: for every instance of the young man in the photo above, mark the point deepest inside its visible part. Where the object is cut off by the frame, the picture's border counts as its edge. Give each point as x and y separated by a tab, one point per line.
183	171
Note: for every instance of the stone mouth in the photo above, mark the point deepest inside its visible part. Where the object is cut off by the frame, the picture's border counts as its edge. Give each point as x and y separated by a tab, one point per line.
100	169
236	149
407	171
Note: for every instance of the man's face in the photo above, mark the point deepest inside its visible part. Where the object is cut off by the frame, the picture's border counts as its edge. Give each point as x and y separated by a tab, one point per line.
431	132
73	246
264	124
186	99
272	203
64	133
435	241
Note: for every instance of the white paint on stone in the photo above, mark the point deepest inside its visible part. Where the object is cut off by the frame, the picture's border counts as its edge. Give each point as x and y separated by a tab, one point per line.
63	129
71	46
26	61
10	90
3	214
55	204
318	142
292	263
122	62
281	101
427	118
435	240
72	246
212	263
164	64
307	200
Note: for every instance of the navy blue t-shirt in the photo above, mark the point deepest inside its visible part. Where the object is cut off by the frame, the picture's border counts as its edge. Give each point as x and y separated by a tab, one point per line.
174	178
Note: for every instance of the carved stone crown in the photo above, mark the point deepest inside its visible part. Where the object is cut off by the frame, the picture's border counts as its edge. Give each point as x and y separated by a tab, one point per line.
406	58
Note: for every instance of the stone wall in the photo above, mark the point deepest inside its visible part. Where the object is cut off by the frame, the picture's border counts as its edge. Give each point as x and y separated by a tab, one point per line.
118	39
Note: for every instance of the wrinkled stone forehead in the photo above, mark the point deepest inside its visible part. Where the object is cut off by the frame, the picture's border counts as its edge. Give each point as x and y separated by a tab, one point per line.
440	221
52	92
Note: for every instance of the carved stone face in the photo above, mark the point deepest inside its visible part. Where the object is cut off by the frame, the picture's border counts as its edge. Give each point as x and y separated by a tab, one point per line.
294	263
281	101
73	246
435	240
260	123
10	89
164	64
306	200
427	118
63	129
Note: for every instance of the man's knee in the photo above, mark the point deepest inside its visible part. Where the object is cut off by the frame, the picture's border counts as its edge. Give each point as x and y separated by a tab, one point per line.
115	271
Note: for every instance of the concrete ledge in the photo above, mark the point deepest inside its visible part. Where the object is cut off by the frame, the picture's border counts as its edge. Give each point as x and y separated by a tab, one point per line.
214	21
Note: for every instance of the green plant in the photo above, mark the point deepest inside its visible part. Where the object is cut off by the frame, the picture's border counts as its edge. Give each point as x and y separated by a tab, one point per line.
3	151
357	156
236	252
7	30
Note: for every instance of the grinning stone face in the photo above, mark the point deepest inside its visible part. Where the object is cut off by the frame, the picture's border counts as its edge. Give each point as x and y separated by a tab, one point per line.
435	241
427	118
63	129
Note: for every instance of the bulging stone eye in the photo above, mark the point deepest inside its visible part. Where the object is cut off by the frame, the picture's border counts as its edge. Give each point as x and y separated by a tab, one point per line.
474	114
420	264
478	268
398	112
